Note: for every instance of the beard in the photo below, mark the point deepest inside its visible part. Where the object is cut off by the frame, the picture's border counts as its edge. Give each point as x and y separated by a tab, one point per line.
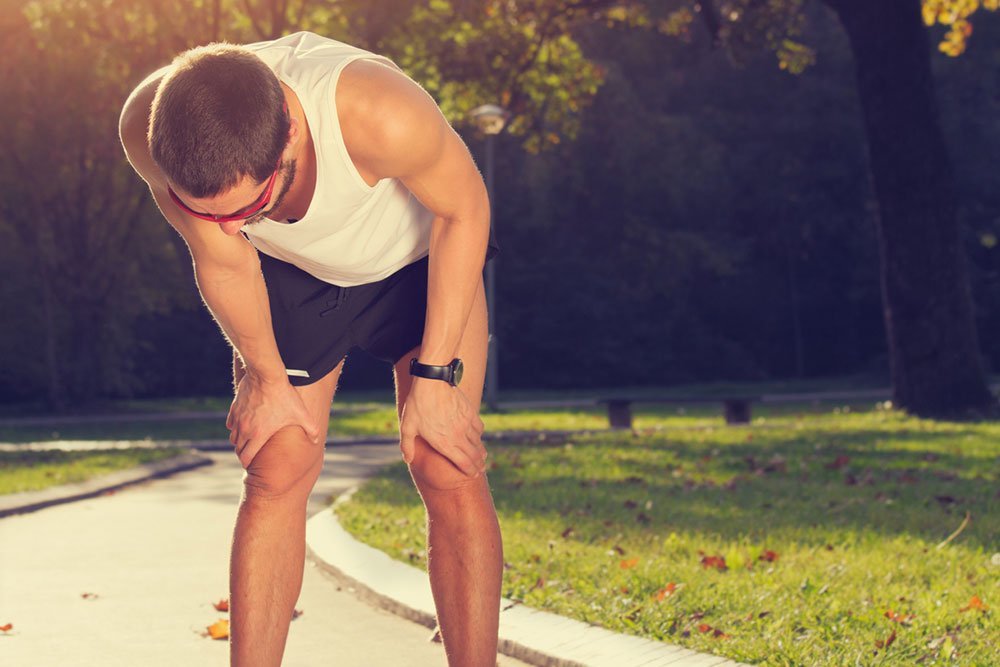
288	169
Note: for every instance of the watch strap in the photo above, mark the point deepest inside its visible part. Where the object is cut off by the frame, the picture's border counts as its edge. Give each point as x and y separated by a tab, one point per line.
445	373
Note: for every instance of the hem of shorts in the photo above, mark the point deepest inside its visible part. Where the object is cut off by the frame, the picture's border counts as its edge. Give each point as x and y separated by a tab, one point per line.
299	381
408	350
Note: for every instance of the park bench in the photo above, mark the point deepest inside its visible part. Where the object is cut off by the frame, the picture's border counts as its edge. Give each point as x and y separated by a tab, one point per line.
736	409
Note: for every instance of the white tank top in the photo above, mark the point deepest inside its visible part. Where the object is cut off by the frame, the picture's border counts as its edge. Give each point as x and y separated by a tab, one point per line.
352	233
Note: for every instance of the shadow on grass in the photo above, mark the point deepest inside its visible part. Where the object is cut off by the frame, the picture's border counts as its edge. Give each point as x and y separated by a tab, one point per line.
827	486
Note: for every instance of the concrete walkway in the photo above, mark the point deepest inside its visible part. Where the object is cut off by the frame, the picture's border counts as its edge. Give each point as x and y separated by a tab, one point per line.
155	555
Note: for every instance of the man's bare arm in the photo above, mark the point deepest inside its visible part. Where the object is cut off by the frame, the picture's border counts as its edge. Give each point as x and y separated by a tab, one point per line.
226	268
396	130
228	275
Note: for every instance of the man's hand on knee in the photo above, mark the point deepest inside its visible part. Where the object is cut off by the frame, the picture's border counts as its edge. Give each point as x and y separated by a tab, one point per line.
260	409
442	415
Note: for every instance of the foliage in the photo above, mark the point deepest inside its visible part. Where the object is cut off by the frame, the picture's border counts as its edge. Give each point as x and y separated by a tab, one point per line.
72	214
81	231
711	221
955	15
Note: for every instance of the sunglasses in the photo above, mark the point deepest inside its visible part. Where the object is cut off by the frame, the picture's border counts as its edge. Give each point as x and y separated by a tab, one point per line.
247	211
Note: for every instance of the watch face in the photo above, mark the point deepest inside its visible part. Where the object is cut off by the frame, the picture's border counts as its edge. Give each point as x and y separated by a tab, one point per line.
457	369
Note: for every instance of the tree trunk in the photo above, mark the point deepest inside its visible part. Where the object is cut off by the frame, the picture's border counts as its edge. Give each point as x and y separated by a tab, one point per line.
56	396
933	346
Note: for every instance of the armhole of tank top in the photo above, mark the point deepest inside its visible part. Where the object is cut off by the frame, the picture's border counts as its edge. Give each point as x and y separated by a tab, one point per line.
341	144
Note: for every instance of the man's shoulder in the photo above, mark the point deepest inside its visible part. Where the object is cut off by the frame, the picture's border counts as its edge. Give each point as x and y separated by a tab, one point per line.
133	124
387	118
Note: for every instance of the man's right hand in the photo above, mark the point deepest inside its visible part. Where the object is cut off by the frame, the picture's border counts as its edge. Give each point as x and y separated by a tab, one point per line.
260	408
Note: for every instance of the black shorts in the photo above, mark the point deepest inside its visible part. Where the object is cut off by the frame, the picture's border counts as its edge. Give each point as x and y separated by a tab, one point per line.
316	324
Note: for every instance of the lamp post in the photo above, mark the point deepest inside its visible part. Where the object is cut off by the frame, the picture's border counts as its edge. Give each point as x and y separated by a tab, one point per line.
490	119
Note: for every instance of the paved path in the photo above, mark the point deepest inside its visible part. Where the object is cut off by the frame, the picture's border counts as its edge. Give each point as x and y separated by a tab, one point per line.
156	556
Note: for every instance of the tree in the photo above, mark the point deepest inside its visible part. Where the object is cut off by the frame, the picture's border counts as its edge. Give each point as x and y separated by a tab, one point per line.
935	359
934	350
80	225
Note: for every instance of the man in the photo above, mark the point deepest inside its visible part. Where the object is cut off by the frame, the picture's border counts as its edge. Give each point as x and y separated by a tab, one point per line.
328	204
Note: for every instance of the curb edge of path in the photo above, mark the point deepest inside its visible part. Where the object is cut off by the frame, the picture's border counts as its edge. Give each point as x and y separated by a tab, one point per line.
533	636
32	501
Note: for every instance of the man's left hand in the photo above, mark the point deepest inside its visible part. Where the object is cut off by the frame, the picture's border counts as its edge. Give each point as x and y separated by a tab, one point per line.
442	415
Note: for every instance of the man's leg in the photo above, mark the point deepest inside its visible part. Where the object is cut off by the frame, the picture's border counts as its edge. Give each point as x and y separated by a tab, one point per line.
268	551
465	554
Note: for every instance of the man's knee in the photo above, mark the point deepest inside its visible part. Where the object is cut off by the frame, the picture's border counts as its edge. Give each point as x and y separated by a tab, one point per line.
433	472
288	462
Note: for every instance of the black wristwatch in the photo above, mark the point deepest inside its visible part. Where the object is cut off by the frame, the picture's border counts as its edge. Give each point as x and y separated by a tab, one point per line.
452	373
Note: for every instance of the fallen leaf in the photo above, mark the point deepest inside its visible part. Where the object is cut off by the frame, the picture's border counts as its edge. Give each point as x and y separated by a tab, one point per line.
624	590
885	644
666	591
704	627
567	532
621	552
717	562
6	628
975	603
88	596
540	583
631	504
435	636
899	618
219	629
838	462
296	613
628	563
768	555
641	517
222	605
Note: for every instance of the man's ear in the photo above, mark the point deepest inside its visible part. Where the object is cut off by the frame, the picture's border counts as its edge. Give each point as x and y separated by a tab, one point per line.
294	131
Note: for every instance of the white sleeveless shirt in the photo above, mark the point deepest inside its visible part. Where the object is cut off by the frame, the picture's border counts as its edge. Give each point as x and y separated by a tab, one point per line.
352	233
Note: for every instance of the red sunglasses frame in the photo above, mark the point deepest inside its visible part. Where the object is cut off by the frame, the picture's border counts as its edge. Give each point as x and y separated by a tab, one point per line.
256	207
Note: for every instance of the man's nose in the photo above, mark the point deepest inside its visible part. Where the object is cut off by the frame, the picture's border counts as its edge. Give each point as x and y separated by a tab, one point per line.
232	228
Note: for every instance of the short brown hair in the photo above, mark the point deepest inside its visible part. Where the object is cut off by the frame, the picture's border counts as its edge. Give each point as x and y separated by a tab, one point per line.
217	117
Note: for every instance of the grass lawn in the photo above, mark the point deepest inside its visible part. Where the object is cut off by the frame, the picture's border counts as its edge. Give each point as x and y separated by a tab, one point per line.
379	419
804	539
33	470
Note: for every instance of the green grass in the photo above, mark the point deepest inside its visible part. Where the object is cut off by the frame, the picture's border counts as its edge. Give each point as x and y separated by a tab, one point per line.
379	419
595	527
37	470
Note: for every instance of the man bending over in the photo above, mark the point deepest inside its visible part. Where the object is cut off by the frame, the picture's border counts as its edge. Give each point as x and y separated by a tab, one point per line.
328	205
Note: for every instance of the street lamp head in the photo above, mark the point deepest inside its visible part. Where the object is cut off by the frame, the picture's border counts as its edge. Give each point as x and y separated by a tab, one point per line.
490	118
